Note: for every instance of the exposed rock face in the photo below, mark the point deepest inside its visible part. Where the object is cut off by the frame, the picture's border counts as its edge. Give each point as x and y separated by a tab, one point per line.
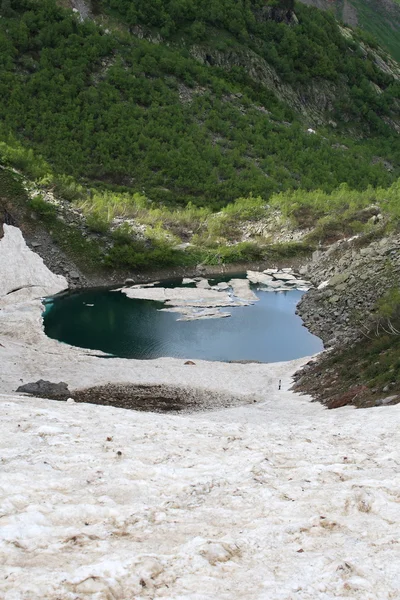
315	100
283	13
83	7
350	280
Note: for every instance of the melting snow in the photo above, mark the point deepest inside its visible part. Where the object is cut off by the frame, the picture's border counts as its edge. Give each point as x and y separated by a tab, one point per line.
103	503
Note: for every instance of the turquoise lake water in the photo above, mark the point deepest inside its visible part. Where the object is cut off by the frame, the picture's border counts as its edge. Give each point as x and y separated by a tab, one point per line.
268	331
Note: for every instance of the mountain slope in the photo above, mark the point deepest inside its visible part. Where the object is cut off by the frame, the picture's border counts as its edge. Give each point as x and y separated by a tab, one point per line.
381	18
210	109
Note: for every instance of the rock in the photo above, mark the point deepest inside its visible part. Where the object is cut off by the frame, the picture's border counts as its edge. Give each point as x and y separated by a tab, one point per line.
338	279
280	276
387	400
302	283
129	282
270	271
45	389
36	244
189	362
74	275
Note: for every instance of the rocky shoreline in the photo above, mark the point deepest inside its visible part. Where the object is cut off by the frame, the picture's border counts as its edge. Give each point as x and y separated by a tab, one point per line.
349	278
360	367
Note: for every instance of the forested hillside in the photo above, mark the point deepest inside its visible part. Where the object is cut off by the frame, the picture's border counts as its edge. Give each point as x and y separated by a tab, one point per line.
381	18
197	102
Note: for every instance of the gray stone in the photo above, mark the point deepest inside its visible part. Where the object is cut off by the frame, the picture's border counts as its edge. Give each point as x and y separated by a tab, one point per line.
74	275
45	389
201	269
338	279
385	401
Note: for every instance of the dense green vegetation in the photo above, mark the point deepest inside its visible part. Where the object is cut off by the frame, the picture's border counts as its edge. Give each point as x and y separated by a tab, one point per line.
106	109
377	20
342	213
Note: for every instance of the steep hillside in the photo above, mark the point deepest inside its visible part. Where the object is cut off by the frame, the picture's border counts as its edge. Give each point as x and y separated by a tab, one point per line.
198	107
381	18
356	310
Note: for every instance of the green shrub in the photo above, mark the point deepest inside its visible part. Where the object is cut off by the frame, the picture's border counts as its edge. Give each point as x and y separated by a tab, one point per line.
97	224
46	211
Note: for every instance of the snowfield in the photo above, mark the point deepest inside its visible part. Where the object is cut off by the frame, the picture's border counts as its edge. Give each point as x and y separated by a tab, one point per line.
275	498
102	503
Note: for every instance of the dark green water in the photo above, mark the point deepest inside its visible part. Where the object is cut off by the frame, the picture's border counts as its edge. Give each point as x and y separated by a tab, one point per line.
267	331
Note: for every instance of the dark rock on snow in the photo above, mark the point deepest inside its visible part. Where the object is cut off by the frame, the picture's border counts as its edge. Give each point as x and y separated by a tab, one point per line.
46	389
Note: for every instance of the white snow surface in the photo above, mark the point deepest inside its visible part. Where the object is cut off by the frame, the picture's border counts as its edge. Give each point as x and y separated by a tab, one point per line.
276	498
22	268
216	506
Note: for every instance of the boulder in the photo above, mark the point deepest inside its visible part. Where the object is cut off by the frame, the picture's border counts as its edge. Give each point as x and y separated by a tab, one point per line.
338	279
46	389
387	400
